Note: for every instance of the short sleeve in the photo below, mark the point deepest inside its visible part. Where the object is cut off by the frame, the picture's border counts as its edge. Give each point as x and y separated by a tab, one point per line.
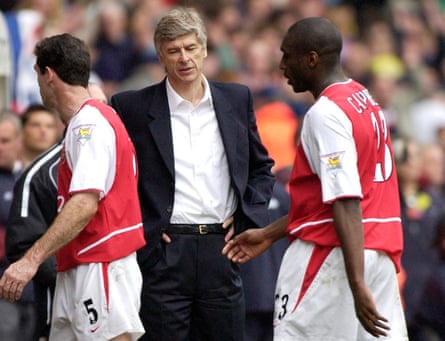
91	152
329	145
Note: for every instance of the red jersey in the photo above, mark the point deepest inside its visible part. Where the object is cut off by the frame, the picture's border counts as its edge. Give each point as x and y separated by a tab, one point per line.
345	151
98	155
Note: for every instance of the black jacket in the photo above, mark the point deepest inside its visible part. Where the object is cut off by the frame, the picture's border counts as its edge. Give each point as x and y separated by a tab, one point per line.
33	209
146	116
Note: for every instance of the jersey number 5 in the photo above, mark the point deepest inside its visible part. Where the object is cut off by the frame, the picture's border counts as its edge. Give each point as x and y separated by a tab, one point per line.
92	312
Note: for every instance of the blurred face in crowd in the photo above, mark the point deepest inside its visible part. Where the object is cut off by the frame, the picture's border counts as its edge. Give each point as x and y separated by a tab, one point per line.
9	144
183	59
40	131
409	168
433	164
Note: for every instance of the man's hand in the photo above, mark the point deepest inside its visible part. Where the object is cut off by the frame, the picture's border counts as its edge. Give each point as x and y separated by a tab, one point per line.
166	238
14	279
246	245
228	223
369	317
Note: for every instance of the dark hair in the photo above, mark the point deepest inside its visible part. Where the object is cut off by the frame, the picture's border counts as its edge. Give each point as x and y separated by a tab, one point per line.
12	116
67	55
33	108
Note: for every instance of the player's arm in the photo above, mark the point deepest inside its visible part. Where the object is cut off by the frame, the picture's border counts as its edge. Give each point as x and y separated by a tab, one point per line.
348	225
71	220
252	242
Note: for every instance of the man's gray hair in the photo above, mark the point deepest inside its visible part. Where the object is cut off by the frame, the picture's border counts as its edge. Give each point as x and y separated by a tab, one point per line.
11	116
177	23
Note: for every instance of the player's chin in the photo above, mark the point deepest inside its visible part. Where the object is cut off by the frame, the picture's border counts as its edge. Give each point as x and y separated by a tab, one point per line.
297	87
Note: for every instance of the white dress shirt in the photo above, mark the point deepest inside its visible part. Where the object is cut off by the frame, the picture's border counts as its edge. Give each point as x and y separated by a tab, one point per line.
203	193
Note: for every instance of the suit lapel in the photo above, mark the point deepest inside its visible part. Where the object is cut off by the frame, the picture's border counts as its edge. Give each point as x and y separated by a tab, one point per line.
227	122
160	126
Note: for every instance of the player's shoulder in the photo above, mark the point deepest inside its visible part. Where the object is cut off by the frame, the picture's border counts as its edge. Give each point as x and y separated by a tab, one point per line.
323	109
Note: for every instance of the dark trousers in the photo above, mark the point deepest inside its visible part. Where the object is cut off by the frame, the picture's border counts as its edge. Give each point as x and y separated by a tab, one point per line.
259	326
193	293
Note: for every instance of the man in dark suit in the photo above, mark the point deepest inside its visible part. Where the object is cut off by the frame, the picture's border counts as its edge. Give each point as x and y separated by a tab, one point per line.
204	175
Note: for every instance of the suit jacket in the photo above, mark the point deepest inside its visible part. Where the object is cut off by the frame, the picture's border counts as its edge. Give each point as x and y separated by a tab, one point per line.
146	116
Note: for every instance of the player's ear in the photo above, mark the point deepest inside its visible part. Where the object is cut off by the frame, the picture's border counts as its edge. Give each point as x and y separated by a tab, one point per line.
312	58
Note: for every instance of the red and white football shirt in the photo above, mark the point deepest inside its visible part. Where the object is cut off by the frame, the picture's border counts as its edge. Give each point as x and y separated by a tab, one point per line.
98	155
345	152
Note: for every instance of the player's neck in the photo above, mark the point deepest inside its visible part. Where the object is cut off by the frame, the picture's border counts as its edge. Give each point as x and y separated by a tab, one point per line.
71	101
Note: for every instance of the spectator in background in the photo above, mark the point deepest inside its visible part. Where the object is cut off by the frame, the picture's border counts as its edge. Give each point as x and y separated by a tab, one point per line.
114	51
258	66
441	136
223	19
24	28
51	13
420	212
33	209
142	22
29	21
10	165
6	64
17	318
356	60
428	116
39	132
432	177
431	315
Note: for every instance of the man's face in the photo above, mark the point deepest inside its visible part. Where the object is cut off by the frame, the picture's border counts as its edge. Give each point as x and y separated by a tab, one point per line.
9	144
40	131
293	66
182	59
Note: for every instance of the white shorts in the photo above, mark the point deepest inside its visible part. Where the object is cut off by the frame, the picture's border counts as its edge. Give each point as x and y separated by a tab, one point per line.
325	311
98	301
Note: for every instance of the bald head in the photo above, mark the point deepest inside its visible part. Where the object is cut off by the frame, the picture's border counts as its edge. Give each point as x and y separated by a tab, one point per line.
315	34
311	55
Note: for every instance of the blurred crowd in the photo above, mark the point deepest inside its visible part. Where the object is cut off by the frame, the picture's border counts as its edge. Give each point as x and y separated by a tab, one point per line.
394	47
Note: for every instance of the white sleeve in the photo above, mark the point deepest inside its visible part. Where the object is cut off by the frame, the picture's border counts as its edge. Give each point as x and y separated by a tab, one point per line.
91	152
329	146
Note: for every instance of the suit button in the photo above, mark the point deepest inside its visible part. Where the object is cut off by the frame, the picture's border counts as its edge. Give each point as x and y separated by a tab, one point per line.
169	209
